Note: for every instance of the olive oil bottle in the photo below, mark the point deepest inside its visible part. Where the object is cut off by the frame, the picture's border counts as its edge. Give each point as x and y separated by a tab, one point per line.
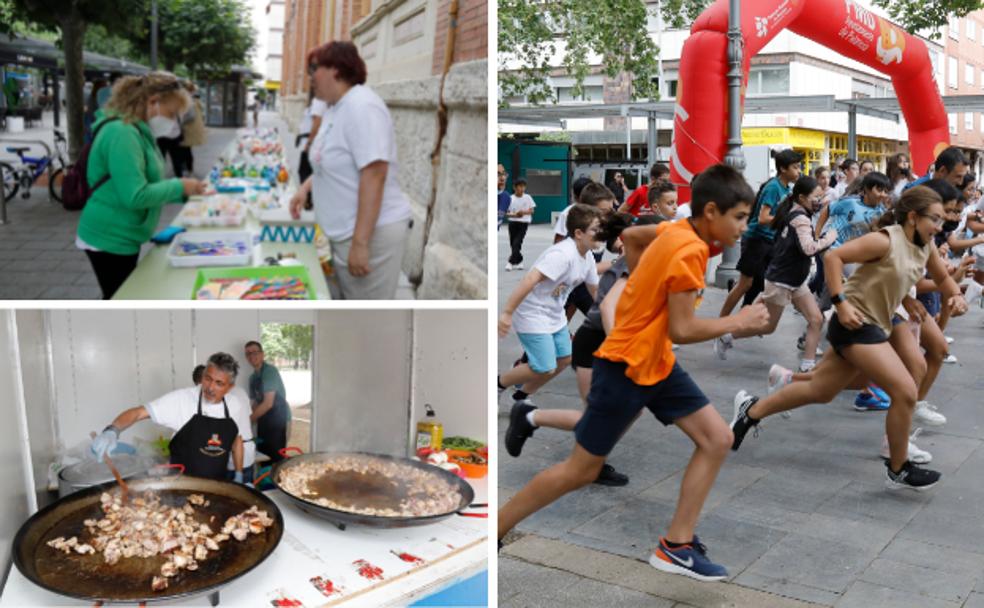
430	432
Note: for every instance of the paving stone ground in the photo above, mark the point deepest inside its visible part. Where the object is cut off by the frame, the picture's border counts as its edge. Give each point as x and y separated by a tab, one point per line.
799	516
38	257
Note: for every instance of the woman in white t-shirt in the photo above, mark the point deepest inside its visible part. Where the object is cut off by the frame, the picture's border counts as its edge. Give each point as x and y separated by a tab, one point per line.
356	193
306	131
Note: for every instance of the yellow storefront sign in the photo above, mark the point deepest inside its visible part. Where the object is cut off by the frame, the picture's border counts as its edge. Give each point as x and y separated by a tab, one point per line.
790	136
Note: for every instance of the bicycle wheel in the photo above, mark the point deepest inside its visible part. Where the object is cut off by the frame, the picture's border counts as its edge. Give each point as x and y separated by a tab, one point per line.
8	176
55	183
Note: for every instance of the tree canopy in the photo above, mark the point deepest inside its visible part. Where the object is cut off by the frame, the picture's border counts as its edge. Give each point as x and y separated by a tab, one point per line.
545	38
203	36
288	341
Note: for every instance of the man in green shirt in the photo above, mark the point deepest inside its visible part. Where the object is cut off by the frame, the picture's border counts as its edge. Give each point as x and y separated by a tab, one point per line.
268	399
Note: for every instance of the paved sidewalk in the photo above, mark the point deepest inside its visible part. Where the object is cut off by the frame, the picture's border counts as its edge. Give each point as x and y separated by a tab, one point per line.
38	257
798	515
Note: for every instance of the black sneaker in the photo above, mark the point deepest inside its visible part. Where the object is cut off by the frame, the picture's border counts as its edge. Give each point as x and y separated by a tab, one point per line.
911	477
801	342
610	477
741	423
519	429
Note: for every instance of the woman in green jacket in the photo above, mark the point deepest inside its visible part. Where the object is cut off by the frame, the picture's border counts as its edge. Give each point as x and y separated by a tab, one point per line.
126	171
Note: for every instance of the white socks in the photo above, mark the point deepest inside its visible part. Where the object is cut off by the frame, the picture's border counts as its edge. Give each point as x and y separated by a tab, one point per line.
530	417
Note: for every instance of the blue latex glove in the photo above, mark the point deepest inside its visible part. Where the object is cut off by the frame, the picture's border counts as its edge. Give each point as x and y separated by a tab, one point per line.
104	443
238	477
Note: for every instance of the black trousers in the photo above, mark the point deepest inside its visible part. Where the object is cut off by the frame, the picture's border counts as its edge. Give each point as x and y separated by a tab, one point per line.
111	270
271	431
182	160
172	147
517	233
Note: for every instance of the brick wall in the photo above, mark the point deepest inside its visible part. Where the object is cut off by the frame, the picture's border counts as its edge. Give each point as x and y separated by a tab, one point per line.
472	38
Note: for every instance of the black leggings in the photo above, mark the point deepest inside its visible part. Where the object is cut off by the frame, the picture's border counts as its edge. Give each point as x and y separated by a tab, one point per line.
111	270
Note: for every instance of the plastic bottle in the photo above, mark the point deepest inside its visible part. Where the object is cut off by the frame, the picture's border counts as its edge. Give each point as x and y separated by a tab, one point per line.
430	432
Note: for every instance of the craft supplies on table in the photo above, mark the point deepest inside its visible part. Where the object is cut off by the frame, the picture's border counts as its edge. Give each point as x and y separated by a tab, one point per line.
215	210
261	283
207	248
236	185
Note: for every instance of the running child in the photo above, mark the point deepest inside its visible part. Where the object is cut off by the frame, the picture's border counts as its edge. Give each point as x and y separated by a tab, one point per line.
635	368
890	261
639	199
525	418
787	274
756	243
535	308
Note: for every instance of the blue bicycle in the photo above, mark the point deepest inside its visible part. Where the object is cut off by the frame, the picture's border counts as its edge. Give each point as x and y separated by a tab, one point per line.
31	168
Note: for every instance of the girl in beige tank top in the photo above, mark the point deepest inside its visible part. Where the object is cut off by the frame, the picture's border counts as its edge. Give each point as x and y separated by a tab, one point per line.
892	260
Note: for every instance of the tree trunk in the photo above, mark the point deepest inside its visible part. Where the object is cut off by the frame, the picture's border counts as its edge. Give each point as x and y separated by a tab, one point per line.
73	34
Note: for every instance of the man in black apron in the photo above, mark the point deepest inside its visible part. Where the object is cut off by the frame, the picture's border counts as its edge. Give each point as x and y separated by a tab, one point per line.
205	435
268	399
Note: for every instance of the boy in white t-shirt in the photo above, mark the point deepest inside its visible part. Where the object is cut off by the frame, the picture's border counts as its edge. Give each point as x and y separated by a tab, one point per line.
535	309
520	215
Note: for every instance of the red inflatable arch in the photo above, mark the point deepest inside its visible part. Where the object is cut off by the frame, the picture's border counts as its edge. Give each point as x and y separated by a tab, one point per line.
700	129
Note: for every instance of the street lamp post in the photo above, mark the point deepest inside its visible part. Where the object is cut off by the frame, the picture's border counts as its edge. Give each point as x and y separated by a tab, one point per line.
726	273
153	35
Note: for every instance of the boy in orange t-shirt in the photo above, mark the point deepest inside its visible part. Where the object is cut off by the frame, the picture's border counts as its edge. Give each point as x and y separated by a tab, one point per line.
635	368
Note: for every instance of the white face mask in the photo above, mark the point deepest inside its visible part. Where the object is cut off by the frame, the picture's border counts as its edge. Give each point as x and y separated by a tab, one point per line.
161	126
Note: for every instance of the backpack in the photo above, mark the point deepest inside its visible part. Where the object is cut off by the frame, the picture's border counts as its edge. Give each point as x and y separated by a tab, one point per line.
75	186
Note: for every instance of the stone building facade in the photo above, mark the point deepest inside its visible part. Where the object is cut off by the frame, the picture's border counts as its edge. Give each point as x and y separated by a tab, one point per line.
403	43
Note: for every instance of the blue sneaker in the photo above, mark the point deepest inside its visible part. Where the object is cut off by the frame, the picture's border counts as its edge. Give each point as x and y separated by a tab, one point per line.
689	560
865	402
880	393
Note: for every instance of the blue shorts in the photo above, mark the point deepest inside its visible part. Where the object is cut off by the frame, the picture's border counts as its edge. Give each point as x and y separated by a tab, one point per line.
614	401
931	301
544	350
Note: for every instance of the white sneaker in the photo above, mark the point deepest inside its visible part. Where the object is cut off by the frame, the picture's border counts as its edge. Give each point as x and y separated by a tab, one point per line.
674	347
779	377
518	266
509	267
807	366
926	414
722	345
950	359
974	291
949	340
916	455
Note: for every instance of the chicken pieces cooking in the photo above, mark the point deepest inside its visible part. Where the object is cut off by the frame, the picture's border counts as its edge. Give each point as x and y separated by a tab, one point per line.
145	527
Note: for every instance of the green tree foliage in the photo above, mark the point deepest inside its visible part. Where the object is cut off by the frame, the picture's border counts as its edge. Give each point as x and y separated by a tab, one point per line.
532	34
678	14
288	342
98	39
71	18
204	36
925	17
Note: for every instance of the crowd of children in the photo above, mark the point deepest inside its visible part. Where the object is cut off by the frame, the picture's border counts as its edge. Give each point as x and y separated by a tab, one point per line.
883	261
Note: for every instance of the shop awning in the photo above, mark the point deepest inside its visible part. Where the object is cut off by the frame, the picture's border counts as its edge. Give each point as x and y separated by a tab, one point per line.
28	52
46	55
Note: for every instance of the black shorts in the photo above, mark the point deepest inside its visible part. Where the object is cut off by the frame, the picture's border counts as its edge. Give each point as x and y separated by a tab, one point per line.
580	298
756	253
586	341
615	400
840	336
